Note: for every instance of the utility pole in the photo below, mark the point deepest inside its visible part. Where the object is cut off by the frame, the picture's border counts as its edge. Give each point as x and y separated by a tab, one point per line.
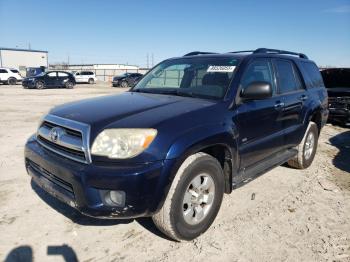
147	60
29	47
152	58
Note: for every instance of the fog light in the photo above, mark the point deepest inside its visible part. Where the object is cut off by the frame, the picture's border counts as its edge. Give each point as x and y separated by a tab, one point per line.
115	198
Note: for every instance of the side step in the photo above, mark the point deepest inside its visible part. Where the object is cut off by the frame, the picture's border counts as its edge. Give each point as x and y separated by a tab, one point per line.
264	166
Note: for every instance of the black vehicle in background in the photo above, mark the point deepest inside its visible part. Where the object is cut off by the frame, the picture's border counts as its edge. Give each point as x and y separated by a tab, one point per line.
126	80
337	82
50	79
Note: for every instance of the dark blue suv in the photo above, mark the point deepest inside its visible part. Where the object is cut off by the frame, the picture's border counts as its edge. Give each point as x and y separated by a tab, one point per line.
194	128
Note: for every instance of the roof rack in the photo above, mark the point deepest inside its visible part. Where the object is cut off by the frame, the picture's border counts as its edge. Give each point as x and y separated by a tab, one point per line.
245	51
199	53
276	51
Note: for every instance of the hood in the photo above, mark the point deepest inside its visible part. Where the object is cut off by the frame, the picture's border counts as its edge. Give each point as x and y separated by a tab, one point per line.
129	110
338	91
118	77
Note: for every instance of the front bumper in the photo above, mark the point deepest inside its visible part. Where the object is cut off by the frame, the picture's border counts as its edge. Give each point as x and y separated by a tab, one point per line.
115	82
28	84
80	185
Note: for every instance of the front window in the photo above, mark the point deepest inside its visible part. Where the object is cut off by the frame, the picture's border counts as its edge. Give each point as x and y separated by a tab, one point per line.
14	71
198	77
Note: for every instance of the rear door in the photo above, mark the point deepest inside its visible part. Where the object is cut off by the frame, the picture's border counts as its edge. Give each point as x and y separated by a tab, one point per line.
294	96
62	79
258	121
78	77
50	79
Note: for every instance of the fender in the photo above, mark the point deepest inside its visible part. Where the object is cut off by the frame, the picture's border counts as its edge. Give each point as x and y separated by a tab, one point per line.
189	143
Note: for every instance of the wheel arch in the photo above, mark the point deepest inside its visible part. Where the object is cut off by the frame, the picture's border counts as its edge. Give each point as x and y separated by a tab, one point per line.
221	146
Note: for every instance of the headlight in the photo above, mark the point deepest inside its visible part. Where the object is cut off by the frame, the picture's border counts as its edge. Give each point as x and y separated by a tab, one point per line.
122	143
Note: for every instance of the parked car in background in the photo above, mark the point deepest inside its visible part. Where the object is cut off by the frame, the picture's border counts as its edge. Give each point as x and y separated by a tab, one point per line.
85	77
49	80
33	71
337	82
194	127
9	76
126	80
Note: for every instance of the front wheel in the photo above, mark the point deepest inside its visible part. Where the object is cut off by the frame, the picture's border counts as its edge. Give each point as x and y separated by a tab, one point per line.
39	85
194	198
124	84
91	81
306	149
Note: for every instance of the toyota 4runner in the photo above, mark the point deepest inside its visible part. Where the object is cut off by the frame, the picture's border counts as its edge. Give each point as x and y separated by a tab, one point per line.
194	128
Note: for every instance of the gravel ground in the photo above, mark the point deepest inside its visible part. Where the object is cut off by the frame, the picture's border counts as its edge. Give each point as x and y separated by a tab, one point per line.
294	216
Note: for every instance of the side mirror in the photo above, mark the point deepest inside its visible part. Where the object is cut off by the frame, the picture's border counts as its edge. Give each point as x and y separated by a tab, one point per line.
257	90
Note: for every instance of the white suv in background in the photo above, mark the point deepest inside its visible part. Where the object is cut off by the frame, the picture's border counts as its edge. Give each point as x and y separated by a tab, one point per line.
85	77
9	76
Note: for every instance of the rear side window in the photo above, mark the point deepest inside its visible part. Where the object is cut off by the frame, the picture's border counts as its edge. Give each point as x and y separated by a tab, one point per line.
3	71
313	76
62	74
286	77
258	70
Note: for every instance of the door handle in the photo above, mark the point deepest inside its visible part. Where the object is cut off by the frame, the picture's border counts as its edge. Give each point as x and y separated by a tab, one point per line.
304	97
279	105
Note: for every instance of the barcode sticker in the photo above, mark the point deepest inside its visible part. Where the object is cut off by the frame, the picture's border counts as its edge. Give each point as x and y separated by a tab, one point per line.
214	68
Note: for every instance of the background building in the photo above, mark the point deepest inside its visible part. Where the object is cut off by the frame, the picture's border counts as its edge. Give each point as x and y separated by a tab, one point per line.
23	58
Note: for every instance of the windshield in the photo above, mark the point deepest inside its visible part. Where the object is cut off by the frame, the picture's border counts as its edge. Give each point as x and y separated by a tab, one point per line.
337	77
201	77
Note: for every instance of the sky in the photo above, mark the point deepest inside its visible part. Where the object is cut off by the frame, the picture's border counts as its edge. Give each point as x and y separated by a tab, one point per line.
96	31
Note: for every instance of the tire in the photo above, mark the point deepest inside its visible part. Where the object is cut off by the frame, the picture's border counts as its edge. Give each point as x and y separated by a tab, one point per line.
69	85
39	85
12	81
306	154
124	84
180	216
91	81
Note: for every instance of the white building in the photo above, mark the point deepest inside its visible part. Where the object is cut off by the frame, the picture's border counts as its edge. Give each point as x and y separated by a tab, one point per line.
23	58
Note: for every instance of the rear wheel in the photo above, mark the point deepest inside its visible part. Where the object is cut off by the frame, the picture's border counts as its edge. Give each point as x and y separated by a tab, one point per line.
39	85
306	149
91	81
69	85
194	198
12	81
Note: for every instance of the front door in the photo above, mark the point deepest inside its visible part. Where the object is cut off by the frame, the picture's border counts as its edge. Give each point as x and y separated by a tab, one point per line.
259	121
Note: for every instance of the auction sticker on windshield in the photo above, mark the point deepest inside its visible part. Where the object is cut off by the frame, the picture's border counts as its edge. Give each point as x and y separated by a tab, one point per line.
214	68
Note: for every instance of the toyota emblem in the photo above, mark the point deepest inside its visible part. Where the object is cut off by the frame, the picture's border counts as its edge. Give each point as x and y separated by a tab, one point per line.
55	134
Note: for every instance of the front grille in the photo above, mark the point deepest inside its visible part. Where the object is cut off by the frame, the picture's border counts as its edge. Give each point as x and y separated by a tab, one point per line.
49	176
65	137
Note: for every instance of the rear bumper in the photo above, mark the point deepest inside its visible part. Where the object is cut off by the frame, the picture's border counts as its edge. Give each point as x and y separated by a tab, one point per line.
80	185
339	115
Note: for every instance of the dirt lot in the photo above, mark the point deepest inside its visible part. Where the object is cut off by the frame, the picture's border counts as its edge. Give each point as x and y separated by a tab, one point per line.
295	215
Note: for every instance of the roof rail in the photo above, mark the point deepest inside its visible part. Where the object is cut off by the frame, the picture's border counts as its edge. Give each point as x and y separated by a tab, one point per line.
245	51
276	51
199	53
